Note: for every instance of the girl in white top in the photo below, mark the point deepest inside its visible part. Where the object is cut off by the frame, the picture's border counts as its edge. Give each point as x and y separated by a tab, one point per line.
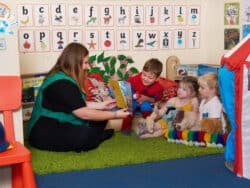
210	106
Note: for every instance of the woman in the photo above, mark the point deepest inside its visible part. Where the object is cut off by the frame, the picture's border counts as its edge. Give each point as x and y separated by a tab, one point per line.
62	120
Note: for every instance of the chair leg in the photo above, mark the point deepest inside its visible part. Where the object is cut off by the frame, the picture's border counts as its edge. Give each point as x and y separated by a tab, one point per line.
17	176
28	175
23	176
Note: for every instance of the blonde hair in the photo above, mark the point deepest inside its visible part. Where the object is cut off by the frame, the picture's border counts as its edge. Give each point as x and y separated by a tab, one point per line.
211	80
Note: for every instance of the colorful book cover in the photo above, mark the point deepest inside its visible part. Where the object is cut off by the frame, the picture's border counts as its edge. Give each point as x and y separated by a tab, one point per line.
32	81
122	92
185	70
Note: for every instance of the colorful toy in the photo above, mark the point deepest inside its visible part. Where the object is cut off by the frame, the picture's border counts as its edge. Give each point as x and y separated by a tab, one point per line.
196	138
3	142
234	83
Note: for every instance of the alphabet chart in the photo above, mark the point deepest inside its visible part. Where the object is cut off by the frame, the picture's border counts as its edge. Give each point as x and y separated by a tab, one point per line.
50	27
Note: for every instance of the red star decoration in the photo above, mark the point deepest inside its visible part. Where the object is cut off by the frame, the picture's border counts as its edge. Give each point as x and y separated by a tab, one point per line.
92	44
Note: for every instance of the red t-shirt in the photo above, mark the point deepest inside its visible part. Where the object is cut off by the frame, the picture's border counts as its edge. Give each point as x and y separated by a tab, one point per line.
155	90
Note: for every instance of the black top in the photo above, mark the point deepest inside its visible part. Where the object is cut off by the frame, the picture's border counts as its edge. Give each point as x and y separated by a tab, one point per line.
62	96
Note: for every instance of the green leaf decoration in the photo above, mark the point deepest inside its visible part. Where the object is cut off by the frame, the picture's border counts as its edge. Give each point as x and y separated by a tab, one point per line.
130	60
122	66
113	62
106	59
102	72
126	76
120	75
100	57
121	57
94	70
133	70
112	71
106	78
92	59
107	68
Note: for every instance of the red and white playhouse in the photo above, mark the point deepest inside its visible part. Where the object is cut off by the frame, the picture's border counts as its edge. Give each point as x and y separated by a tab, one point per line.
237	61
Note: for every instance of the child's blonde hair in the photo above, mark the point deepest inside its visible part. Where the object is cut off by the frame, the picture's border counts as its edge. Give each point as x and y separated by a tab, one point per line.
192	83
211	80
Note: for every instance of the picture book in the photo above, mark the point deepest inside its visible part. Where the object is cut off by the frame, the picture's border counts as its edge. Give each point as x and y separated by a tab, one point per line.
122	93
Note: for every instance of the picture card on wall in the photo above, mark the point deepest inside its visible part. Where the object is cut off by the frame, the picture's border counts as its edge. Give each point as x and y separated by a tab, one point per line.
180	15
122	40
179	39
92	39
194	15
58	14
122	15
25	15
138	39
245	4
231	13
107	15
41	15
26	41
91	15
151	15
193	38
75	15
75	35
137	15
42	40
166	15
59	40
165	39
231	38
2	44
107	40
152	39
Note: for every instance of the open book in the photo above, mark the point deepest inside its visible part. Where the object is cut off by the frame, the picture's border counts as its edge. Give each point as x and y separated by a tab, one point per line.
122	93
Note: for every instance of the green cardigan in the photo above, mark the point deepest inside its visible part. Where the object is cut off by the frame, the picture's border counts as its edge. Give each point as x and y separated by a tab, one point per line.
63	117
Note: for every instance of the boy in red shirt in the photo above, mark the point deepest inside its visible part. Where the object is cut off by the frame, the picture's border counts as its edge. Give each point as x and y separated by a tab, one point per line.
146	90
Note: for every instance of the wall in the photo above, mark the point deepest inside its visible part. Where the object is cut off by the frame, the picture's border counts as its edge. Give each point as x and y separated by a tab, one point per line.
211	38
210	51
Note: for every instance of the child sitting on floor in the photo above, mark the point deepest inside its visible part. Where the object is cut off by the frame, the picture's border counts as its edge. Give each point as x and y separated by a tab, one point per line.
211	106
185	100
146	89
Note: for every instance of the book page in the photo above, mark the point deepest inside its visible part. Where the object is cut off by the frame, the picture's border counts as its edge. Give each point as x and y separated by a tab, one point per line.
122	92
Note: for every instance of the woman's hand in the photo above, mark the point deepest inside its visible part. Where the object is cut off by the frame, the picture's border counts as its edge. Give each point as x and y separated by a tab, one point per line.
108	105
105	105
122	113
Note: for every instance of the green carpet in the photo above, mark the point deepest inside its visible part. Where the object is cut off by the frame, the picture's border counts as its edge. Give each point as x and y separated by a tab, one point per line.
120	150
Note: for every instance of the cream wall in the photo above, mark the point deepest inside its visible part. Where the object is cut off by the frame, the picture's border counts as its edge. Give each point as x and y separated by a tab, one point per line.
211	41
211	49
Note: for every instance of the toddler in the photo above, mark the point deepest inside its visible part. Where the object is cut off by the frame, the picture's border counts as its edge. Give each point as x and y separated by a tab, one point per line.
210	106
186	100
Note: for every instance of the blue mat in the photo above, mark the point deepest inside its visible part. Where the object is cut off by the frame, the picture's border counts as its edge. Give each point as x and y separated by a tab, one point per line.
206	172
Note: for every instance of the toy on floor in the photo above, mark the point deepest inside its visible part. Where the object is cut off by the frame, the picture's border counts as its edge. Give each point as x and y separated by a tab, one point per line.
98	90
154	125
185	120
178	120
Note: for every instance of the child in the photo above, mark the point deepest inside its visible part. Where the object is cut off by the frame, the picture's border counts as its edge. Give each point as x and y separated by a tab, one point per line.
210	106
146	89
185	100
187	95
